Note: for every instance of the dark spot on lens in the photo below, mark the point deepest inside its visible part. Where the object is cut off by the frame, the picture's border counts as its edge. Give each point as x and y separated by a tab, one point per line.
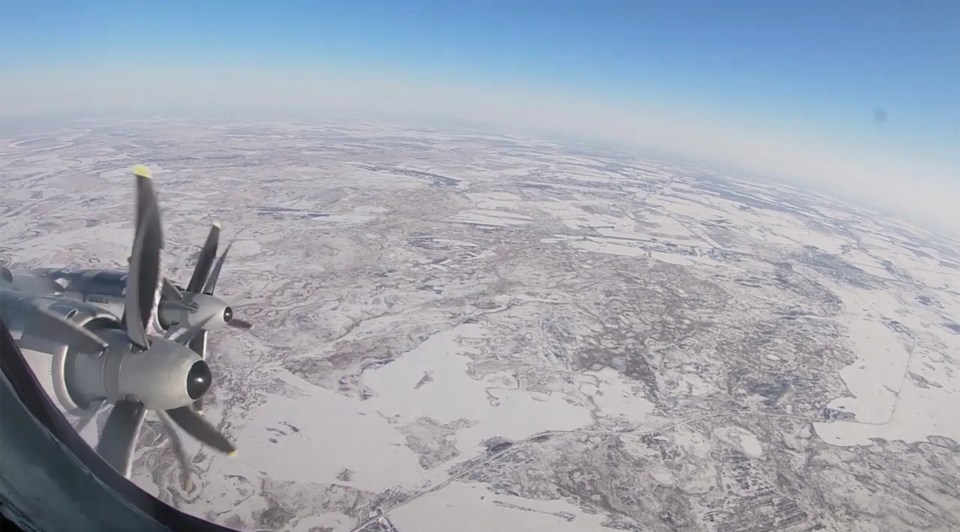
227	315
198	379
880	115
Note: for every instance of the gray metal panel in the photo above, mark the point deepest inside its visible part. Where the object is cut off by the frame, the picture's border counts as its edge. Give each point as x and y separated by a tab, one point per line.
31	284
108	283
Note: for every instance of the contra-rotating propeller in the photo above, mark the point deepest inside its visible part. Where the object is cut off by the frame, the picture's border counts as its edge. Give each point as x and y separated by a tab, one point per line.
151	372
195	308
206	273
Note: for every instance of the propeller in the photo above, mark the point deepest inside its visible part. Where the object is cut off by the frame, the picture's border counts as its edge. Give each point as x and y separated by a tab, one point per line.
119	362
178	450
206	273
143	292
204	311
88	415
119	436
201	272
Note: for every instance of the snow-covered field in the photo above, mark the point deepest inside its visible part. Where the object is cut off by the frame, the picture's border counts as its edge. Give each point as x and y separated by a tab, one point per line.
459	331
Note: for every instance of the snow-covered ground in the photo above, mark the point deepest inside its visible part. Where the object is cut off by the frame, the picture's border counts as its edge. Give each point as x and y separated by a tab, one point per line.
477	332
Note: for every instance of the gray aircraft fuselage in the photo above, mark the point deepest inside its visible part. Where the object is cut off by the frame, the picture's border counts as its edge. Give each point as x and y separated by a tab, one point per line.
106	289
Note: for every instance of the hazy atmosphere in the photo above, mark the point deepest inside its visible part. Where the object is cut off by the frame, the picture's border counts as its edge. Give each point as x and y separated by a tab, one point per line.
862	98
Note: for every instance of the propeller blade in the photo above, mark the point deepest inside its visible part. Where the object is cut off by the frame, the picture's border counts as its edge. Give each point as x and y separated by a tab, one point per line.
88	415
178	449
212	281
184	335
169	292
201	429
146	195
58	327
175	333
120	434
143	278
239	323
199	344
201	272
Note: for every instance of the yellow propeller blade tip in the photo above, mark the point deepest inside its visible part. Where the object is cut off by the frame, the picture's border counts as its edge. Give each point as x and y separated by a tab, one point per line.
216	224
232	454
142	171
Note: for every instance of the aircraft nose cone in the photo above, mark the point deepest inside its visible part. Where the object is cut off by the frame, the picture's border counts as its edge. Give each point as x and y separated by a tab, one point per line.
198	379
227	315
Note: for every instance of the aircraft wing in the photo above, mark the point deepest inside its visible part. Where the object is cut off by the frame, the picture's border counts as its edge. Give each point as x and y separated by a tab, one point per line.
52	480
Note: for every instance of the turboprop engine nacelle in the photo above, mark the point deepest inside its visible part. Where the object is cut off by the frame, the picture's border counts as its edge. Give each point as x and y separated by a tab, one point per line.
166	375
105	289
195	310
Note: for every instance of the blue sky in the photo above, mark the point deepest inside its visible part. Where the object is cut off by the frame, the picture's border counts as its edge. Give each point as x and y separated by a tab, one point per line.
809	74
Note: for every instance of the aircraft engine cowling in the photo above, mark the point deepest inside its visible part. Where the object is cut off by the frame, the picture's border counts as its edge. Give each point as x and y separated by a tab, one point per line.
165	377
52	351
196	310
